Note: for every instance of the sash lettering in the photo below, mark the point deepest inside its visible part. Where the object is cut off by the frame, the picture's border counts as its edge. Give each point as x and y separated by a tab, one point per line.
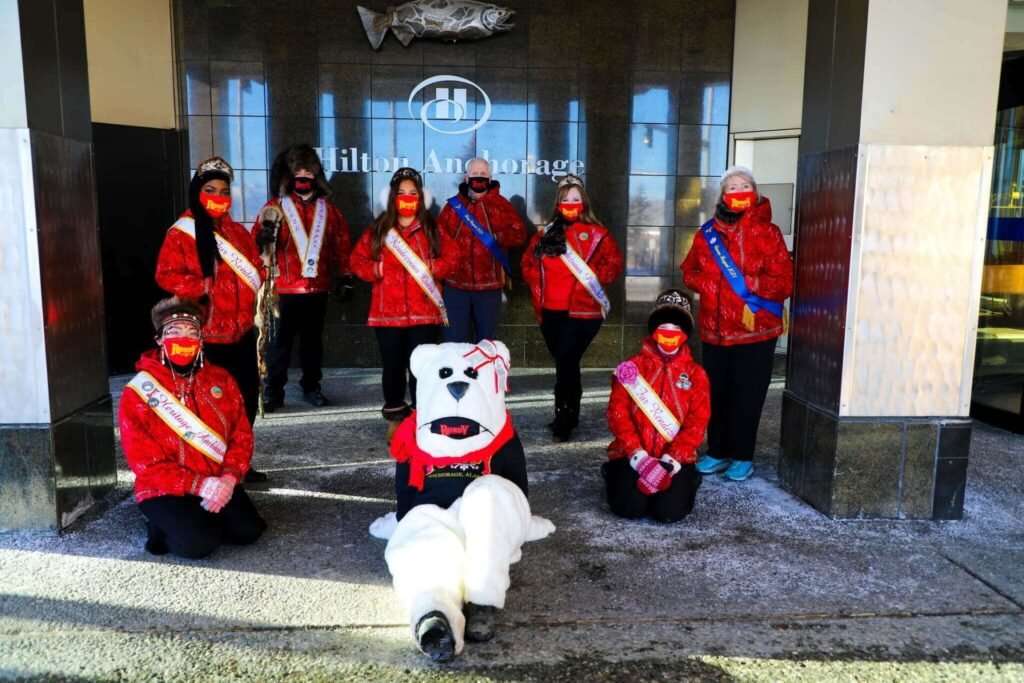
243	267
481	232
647	400
307	246
735	279
178	417
417	269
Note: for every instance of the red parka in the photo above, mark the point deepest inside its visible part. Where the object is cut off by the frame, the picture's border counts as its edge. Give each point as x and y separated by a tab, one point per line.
597	247
334	252
396	299
759	251
478	270
164	463
690	405
232	304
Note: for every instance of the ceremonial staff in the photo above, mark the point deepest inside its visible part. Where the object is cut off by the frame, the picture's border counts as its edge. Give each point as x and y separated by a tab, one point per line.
267	310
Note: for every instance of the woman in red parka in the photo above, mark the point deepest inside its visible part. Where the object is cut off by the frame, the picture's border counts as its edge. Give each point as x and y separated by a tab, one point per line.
187	439
740	317
650	470
405	311
570	306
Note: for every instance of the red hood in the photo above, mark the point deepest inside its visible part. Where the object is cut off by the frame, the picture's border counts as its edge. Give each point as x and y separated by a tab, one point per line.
150	362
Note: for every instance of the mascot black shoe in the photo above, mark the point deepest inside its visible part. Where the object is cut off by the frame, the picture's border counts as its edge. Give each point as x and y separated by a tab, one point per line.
462	513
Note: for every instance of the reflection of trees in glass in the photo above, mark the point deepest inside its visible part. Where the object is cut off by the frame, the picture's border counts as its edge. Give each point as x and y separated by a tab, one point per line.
640	207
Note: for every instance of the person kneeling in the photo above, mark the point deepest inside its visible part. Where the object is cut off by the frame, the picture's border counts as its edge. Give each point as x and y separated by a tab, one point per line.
462	510
187	439
658	412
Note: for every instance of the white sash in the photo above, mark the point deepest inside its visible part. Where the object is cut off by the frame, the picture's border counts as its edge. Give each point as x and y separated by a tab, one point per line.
578	267
243	267
178	417
419	271
308	247
647	400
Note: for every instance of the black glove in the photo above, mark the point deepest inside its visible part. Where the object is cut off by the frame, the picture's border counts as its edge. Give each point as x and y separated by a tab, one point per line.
266	235
346	288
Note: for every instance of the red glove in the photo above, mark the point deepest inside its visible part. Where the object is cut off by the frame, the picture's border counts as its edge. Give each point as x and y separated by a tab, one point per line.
654	477
216	492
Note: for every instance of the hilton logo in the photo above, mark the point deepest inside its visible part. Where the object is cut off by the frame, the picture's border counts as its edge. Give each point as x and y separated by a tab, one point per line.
447	112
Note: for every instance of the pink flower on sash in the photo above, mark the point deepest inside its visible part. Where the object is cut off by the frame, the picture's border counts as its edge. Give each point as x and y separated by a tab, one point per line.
627	373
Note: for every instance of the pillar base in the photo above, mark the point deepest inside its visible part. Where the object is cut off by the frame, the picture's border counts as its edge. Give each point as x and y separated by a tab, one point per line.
51	474
874	468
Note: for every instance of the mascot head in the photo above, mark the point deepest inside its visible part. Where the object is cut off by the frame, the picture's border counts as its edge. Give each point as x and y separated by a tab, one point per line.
460	395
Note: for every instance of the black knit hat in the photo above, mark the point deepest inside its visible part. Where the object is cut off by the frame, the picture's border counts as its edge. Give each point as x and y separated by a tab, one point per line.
672	306
174	308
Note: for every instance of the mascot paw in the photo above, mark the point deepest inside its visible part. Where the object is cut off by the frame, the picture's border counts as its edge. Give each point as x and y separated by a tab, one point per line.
384	527
435	638
539	528
480	622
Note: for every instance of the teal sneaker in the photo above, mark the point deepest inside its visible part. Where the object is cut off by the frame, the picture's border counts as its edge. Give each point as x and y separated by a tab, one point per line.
739	470
709	465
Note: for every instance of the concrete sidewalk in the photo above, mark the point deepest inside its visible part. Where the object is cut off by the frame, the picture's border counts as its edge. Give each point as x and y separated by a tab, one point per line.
755	585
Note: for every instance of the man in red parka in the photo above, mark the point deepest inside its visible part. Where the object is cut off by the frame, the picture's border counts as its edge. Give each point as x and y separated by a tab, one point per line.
658	411
742	271
490	227
313	242
187	439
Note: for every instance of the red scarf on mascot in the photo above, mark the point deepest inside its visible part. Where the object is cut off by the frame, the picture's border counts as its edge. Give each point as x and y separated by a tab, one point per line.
404	448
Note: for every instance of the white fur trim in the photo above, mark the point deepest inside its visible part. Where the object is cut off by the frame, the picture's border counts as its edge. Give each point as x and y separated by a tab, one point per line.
734	170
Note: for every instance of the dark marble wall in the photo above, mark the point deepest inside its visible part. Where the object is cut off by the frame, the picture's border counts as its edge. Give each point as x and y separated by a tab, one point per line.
639	93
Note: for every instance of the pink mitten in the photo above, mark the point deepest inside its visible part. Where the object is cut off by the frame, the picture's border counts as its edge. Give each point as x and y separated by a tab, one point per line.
216	492
653	475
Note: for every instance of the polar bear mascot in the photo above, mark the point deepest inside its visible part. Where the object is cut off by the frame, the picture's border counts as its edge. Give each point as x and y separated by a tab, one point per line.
462	510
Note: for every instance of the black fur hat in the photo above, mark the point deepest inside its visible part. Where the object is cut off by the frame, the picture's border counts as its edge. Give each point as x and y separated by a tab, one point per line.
174	308
672	306
291	161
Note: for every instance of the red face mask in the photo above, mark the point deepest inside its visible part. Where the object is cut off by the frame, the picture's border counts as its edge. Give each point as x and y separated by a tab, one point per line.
739	201
570	210
669	341
303	185
406	205
214	204
181	350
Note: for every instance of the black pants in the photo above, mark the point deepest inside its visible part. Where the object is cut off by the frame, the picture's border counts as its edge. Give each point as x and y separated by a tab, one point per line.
670	505
567	340
302	315
239	359
190	531
739	377
396	345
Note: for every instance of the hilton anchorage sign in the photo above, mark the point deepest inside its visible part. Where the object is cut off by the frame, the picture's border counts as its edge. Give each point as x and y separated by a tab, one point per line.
445	110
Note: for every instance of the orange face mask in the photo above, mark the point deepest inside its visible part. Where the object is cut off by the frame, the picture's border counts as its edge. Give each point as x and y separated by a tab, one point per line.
669	341
406	206
570	211
214	204
739	201
181	350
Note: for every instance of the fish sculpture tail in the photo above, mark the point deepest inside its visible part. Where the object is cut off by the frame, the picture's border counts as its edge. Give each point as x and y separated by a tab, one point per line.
375	24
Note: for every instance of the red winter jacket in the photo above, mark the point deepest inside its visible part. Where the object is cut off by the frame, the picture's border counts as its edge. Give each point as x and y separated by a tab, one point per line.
232	306
164	463
478	270
396	300
597	247
691	406
334	252
759	251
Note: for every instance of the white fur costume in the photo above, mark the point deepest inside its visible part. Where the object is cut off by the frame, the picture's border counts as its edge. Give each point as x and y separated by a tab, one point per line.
440	558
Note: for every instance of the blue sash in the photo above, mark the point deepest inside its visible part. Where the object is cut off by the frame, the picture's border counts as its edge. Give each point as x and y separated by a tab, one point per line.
734	276
487	238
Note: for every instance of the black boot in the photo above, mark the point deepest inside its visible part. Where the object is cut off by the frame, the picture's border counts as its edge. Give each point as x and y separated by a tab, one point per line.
435	638
563	425
155	540
480	622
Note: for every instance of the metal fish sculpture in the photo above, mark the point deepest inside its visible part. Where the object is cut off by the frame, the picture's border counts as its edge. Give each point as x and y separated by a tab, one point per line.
443	19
